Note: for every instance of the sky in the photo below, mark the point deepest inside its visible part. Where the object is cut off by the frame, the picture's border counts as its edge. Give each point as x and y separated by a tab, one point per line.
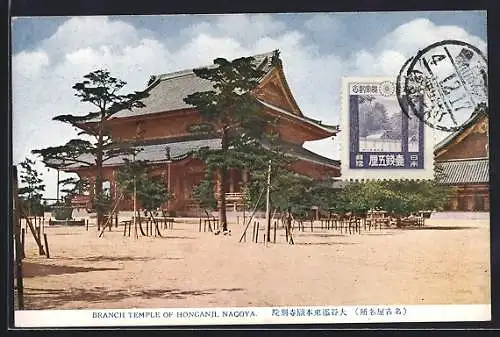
50	54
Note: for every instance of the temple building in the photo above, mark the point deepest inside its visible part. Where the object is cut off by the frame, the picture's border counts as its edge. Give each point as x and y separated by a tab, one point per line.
165	129
462	163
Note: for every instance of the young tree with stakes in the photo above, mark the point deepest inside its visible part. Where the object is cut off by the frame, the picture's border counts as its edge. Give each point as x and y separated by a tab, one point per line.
102	91
74	186
31	194
237	119
134	180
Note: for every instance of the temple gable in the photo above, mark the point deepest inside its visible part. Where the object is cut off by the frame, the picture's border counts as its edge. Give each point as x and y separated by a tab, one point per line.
275	91
470	143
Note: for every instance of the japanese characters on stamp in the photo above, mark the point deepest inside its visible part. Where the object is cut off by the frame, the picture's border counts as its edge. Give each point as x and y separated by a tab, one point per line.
379	140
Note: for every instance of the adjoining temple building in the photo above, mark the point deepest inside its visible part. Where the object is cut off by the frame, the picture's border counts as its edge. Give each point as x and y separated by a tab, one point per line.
463	164
165	129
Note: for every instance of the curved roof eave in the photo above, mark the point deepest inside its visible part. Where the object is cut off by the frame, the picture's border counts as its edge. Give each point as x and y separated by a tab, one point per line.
331	129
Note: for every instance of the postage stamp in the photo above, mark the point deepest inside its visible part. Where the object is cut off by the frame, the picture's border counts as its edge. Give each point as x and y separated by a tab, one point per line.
379	140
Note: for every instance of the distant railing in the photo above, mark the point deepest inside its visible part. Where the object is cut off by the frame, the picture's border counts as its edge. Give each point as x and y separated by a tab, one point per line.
81	201
234	196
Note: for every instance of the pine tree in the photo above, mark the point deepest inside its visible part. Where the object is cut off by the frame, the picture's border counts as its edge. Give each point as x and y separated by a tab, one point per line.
135	176
74	186
102	91
238	120
31	194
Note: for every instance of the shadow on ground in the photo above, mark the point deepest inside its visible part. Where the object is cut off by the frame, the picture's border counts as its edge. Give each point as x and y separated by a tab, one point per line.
443	228
39	298
31	269
177	237
376	234
324	243
319	235
102	258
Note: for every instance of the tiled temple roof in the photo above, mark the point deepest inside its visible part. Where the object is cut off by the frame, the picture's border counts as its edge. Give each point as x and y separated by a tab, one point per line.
157	153
464	171
181	148
301	153
167	91
307	120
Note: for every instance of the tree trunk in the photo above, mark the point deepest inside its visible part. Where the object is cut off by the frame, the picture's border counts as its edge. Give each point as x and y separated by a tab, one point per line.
222	177
98	178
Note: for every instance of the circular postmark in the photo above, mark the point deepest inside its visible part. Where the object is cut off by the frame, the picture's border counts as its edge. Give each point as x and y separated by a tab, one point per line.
443	84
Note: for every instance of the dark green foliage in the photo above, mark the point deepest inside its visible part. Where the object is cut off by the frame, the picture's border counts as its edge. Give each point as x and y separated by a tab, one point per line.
238	120
74	186
31	193
150	190
396	197
204	194
102	91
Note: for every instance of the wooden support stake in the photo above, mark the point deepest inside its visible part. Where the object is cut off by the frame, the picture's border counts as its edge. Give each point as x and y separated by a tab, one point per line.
129	227
199	228
87	224
311	225
274	232
257	233
46	245
16	222
253	231
23	238
40	248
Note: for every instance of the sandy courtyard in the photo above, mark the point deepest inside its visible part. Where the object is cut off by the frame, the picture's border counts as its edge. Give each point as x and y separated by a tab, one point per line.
446	262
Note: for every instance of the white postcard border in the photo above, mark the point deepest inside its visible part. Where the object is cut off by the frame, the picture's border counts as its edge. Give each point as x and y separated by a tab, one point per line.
251	315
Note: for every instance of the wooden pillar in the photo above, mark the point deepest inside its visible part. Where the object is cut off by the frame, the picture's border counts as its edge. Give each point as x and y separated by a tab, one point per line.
169	181
217	190
91	187
231	181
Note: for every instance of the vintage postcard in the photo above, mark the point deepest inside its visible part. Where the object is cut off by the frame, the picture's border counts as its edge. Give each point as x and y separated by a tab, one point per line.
250	169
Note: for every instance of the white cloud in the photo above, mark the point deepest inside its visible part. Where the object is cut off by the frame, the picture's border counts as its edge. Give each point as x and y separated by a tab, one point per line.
322	23
42	79
93	32
419	33
28	64
246	28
